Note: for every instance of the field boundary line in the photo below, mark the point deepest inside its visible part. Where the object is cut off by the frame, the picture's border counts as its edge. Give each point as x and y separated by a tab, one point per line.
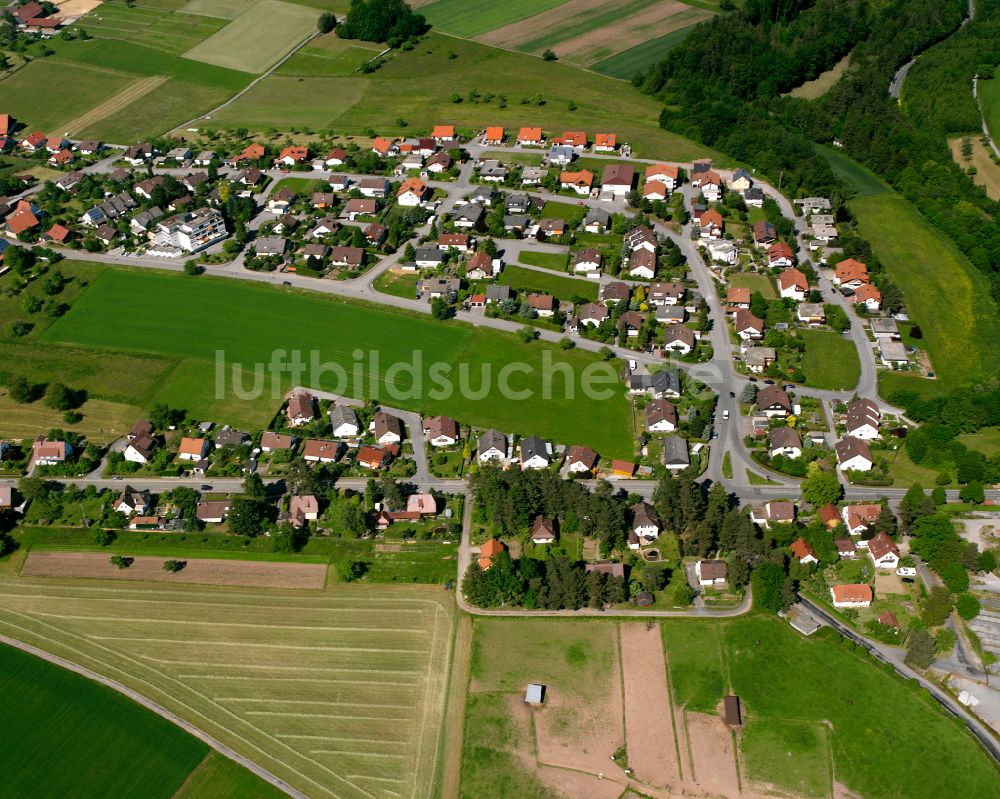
453	740
149	704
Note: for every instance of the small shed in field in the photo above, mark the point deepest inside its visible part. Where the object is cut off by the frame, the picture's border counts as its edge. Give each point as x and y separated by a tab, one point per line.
535	695
731	711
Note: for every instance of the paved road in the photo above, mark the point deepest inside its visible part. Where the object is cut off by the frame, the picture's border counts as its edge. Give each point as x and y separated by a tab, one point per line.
135	696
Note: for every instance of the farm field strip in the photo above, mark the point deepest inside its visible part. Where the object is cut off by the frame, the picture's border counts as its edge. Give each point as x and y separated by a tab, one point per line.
627	63
559	23
369	725
257	38
116	103
472	17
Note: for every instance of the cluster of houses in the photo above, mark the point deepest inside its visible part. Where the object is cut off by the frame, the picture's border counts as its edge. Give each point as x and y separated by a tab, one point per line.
37	18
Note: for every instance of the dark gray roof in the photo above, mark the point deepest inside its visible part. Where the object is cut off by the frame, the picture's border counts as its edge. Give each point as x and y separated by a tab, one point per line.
492	439
343	414
471	212
498	293
429	254
675	451
532	446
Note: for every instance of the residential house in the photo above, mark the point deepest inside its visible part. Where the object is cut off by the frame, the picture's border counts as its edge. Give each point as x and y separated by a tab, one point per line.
679	338
492	446
302	508
33	141
661	416
605	142
443	134
664	174
273	442
252	152
654	191
581	460
551	227
347	257
532	175
106	234
388	429
892	353
776	512
374	458
489	551
435	287
721	250
498	294
212	512
597	220
301	409
358	207
710	224
665	383
267	246
580	182
852	595
667	293
622	468
130	501
615	292
850	274
853	454
24	218
530	137
784	441
385	147
138	154
885	328
412	192
793	284
535	453
711	572
645	525
846	549
641	237
617	179
576	139
867	295
458	241
675	453
57	234
592	314
560	155
344	421
830	516
468	216
587	260
193	449
544	305
741	181
281	200
441	431
48	453
438	163
811	313
374	187
482	267
780	254
747	325
642	265
803	551
861	516
863	418
493	136
737	297
710	183
759	359
774	401
543	530
764	233
883	551
140	449
316	450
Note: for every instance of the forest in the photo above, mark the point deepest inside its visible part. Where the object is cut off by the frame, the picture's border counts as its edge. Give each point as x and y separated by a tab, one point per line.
716	90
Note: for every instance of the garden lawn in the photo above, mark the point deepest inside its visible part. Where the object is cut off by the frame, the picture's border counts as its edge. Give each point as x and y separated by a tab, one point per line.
755	282
107	744
830	360
547	260
258	37
398	284
248	323
416	87
964	342
473	17
557	210
564	288
986	441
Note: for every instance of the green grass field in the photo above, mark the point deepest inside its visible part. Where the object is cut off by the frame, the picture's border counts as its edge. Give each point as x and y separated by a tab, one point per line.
793	756
556	261
340	692
248	322
397	284
755	282
330	55
557	210
258	37
986	440
108	745
417	87
564	288
627	63
694	657
989	97
69	93
962	343
219	777
473	17
865	182
830	360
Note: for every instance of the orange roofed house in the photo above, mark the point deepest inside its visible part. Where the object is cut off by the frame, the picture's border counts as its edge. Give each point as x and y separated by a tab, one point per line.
493	135
488	551
851	596
291	156
251	152
443	133
412	192
850	273
530	137
605	142
580	182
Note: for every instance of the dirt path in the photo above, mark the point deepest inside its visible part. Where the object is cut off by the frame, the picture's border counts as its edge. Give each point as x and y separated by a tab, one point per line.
115	103
649	733
455	712
253	573
218	746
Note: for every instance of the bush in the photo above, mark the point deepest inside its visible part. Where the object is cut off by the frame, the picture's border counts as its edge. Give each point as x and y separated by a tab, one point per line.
968	606
173	566
327	22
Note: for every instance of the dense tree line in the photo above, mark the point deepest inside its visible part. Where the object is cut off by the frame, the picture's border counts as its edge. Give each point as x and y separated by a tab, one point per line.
389	21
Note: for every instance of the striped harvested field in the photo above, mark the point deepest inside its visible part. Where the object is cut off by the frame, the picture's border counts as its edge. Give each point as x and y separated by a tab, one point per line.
341	692
138	88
